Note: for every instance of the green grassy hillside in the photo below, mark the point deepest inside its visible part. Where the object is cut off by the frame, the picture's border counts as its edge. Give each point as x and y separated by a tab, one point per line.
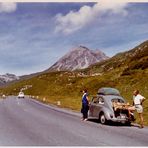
125	71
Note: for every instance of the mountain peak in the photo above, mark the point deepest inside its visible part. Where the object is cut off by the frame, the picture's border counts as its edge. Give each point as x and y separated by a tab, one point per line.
79	48
83	47
8	78
78	58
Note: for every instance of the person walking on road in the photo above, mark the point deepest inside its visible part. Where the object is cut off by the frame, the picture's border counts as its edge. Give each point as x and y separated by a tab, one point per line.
138	100
85	105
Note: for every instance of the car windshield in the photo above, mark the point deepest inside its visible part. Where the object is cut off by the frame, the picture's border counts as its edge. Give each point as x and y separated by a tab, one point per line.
108	91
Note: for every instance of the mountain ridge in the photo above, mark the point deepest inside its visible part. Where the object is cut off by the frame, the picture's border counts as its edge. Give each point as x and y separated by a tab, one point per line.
128	60
78	58
6	78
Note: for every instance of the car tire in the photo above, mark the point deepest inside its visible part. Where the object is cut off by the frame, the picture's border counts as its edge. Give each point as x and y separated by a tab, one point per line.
102	118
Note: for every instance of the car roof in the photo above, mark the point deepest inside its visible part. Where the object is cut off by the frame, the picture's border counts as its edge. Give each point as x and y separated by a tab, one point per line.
108	91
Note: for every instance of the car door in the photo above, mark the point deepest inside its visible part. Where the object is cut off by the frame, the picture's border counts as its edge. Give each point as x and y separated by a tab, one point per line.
98	106
92	107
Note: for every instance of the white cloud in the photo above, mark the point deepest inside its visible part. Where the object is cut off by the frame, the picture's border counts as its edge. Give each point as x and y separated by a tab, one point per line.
7	7
74	21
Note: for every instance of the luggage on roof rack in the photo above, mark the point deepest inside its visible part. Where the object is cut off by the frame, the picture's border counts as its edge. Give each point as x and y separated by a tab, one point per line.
108	91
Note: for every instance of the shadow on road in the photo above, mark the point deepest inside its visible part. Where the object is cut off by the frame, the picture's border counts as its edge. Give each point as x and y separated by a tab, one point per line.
117	124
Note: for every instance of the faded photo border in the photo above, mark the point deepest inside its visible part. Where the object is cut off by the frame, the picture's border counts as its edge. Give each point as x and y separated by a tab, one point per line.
139	1
75	1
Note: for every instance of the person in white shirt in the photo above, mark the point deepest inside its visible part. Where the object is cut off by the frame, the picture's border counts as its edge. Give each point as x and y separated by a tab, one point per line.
138	100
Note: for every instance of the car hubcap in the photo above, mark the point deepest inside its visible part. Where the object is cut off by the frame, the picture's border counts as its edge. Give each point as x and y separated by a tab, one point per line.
102	119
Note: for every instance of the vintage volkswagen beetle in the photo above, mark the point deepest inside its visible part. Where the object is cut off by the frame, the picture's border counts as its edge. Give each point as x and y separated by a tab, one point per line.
101	107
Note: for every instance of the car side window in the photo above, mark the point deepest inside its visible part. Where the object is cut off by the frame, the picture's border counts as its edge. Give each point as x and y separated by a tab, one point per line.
95	100
101	100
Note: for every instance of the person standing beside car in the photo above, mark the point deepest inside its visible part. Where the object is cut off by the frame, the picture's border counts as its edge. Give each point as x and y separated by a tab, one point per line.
138	100
85	105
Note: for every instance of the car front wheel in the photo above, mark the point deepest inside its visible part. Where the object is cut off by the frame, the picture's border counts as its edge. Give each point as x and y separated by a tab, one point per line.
103	120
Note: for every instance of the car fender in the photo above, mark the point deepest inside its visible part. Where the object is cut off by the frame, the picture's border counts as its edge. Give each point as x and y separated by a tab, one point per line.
107	112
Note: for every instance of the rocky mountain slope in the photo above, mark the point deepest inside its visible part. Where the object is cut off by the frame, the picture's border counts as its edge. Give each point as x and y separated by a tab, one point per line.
126	62
8	78
78	58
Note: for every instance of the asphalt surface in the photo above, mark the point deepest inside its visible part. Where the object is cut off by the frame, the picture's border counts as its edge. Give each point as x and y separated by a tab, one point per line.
25	122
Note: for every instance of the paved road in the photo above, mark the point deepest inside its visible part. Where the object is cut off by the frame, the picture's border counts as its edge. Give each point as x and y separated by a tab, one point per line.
24	122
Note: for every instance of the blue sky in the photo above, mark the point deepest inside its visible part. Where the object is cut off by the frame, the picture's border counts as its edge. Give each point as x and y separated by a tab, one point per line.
33	36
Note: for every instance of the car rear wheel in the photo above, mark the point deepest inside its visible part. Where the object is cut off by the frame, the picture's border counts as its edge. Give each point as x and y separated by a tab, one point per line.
102	119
